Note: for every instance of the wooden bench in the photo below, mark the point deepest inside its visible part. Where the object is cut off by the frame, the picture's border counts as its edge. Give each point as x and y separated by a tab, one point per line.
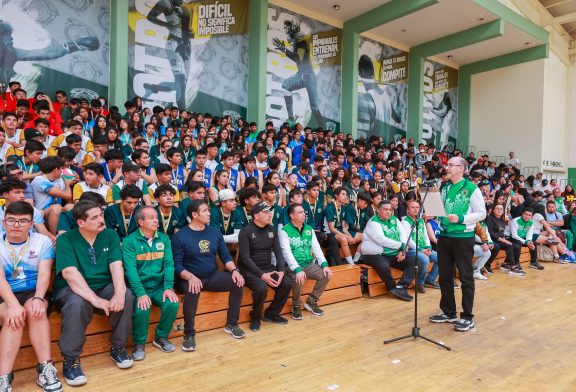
373	286
211	314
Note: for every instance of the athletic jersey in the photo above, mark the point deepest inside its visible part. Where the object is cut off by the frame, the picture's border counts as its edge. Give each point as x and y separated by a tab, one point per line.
40	187
253	174
30	169
302	181
178	178
233	179
107	175
27	257
334	215
5	151
82	187
17	138
60	141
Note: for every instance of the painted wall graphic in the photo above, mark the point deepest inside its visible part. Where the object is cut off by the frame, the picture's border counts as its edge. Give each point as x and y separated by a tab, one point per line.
51	45
190	54
440	104
382	90
303	70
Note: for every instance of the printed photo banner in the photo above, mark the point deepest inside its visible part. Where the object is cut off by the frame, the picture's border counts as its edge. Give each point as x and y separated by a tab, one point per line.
382	90
303	70
440	105
190	54
50	45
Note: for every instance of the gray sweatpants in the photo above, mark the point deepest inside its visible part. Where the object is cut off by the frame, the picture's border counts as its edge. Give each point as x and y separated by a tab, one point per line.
314	272
77	314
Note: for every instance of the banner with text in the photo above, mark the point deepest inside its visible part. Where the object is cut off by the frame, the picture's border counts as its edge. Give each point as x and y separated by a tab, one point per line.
440	105
303	70
190	54
382	90
52	45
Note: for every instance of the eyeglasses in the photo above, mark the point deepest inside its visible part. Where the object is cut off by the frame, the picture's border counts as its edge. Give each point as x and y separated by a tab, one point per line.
21	222
452	165
92	254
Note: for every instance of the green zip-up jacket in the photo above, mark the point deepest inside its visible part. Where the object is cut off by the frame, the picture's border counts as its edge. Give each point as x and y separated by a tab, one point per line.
146	266
465	200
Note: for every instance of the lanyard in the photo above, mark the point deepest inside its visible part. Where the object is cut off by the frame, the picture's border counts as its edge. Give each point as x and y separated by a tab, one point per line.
225	220
248	217
17	260
126	225
165	224
338	219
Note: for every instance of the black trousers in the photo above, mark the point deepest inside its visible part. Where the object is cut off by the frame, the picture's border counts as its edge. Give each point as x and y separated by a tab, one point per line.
512	253
493	254
77	314
456	253
519	245
260	291
219	281
382	265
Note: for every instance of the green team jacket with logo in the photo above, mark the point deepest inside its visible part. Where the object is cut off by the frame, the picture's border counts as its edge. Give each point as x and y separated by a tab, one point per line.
146	266
465	200
304	247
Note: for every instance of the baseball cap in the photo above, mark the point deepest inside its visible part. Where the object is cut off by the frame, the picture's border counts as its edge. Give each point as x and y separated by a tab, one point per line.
31	133
258	208
226	194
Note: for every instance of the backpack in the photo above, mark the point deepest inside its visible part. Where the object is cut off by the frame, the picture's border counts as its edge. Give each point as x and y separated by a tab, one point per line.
544	253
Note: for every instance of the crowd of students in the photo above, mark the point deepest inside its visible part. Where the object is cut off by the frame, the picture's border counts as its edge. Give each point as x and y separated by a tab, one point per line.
130	207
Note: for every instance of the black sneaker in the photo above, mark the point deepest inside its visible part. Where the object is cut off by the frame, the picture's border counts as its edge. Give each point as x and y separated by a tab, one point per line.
400	292
163	344
73	373
296	313
121	357
432	285
421	288
47	378
314	308
442	318
189	343
277	319
517	271
235	331
464	325
5	383
504	267
536	265
255	325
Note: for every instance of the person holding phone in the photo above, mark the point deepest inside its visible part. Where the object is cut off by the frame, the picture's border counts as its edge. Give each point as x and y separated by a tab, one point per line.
257	241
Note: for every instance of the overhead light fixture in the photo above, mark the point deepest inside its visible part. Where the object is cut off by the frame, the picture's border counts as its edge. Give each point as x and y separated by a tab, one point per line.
450	56
336	7
403	30
481	19
527	43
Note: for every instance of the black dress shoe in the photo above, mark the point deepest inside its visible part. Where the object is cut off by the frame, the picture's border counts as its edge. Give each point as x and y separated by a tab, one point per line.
255	325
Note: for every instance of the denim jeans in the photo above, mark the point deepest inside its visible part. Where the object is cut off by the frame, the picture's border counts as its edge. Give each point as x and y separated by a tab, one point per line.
482	257
423	261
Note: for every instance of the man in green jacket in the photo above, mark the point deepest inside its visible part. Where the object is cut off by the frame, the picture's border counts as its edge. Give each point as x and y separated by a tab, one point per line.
305	260
150	275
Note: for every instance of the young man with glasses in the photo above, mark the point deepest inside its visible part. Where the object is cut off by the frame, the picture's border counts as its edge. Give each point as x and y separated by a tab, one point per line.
90	278
26	260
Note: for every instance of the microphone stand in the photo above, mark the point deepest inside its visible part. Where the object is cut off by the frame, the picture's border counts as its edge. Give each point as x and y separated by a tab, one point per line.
415	328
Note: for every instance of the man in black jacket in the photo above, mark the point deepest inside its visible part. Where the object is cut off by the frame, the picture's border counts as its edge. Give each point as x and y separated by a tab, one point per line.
257	241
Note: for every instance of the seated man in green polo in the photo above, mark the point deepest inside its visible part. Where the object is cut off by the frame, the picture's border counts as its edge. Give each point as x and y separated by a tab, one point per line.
150	275
66	221
120	217
89	279
305	260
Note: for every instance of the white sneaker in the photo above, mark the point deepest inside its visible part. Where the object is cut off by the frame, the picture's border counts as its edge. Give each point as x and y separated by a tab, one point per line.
478	275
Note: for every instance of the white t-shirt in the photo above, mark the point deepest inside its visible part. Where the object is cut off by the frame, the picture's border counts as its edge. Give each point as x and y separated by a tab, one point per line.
537	219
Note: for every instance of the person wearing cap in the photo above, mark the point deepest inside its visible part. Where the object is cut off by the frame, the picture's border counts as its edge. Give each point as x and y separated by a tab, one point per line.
305	260
194	249
226	217
132	176
257	241
248	197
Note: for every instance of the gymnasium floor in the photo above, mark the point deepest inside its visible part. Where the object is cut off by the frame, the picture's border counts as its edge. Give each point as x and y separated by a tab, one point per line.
525	341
